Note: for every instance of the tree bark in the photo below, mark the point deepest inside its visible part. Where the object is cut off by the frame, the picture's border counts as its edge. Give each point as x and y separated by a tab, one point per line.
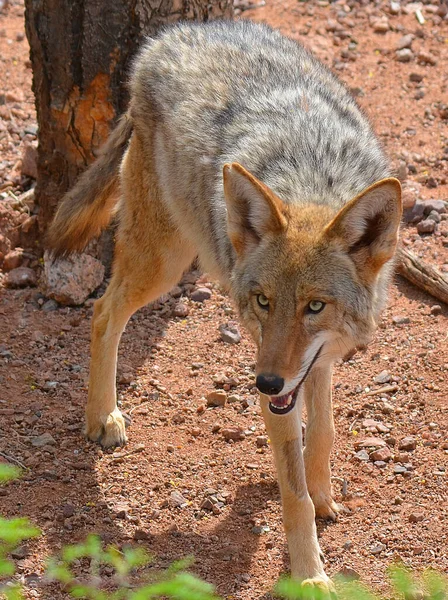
80	54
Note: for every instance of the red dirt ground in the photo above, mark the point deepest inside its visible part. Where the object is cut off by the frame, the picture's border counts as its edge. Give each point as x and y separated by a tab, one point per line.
167	365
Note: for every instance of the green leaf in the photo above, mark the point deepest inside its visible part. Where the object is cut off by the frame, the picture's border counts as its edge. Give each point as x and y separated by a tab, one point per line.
7	567
8	472
11	593
436	585
59	572
402	581
14	531
91	548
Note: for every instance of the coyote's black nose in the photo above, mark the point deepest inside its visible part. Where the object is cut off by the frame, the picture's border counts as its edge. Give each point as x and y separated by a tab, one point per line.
271	385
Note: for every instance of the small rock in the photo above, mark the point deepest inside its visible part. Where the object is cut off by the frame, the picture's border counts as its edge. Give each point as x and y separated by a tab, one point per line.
400	320
405	55
395	9
399	470
233	433
207	504
43	440
68	510
380	25
380	464
362	456
407	443
122	511
370	442
29	159
434	205
426	226
427	58
50	306
201	294
383	454
230	333
405	41
13	259
21	277
383	377
348	572
177	500
217	398
378	548
416	517
262	440
181	310
434	216
260	529
141	534
436	309
19	553
71	280
416	77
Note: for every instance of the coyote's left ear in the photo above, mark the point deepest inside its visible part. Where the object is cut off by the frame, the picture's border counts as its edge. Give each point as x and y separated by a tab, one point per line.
368	225
253	210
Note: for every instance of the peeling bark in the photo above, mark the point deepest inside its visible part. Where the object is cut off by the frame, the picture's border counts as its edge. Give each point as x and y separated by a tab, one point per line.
80	54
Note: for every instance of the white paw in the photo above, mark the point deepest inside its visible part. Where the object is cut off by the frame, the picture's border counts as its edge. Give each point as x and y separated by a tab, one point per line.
109	429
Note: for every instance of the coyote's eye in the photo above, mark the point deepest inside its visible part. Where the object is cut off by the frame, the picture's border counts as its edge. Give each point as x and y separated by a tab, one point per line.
316	306
263	301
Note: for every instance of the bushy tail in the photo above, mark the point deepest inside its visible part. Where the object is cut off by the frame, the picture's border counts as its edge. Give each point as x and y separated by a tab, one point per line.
86	209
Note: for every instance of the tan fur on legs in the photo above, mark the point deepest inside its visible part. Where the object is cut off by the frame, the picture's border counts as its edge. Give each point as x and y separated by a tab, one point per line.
319	441
285	433
150	258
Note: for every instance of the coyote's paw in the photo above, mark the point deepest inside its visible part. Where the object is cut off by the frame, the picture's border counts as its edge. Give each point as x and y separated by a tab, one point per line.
109	429
318	588
324	505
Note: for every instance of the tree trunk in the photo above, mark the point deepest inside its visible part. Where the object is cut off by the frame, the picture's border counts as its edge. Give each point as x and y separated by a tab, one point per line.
80	53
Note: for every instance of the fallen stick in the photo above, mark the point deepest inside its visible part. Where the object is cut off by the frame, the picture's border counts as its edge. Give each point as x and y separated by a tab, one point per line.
383	390
422	275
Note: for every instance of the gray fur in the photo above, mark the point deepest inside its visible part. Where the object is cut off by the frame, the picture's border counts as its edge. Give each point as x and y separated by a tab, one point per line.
242	92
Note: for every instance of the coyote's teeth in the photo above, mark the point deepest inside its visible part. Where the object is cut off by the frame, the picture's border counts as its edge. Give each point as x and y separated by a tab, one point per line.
289	400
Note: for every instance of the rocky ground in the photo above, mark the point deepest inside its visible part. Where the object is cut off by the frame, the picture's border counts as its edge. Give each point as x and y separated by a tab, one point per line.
197	479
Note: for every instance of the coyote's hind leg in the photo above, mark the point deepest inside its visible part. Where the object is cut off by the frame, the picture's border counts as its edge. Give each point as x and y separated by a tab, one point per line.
150	257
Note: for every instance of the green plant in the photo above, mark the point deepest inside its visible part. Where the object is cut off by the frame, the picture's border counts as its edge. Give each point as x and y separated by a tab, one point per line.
12	533
173	583
124	581
405	586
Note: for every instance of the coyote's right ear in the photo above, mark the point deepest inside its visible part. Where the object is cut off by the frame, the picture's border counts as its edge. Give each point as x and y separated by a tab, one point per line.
253	210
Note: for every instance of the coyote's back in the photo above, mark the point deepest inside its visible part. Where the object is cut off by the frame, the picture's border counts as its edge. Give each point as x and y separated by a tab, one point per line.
203	95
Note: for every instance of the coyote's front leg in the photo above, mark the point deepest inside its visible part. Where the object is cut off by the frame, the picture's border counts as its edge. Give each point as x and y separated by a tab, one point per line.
319	441
285	433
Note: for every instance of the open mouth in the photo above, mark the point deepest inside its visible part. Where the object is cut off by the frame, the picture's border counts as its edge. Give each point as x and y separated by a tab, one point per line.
282	405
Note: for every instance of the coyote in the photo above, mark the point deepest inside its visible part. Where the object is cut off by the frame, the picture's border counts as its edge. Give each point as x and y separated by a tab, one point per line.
240	148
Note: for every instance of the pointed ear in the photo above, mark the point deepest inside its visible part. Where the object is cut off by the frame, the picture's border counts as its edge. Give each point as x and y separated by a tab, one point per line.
368	225
253	210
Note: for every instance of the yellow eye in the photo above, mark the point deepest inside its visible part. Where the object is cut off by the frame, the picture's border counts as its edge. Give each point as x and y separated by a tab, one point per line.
316	306
263	301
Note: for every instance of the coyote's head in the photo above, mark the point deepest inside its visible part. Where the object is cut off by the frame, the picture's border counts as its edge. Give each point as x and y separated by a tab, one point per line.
309	283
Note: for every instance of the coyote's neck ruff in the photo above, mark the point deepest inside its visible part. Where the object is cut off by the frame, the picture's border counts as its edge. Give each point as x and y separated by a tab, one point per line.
241	148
